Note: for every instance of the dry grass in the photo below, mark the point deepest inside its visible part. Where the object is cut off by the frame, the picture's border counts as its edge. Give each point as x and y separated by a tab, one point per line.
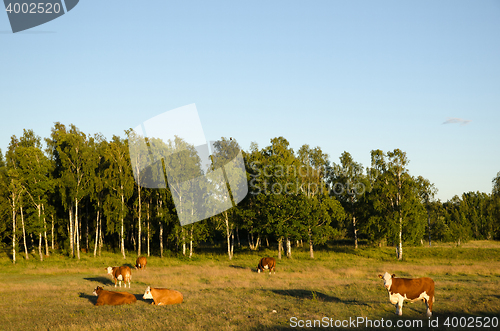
230	295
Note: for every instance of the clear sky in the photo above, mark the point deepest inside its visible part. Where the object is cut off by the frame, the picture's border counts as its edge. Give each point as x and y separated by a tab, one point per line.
421	76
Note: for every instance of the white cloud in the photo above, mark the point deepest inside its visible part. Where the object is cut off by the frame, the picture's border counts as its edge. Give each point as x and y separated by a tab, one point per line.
455	120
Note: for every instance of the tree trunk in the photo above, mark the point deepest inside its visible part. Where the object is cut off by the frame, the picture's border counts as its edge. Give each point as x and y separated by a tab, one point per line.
77	236
191	242
311	250
147	218
400	250
71	237
40	246
139	235
45	233
101	241
280	247
24	235
238	237
97	229
149	239
14	230
160	213
288	248
355	232
122	228
183	242
52	236
228	235
232	243
250	241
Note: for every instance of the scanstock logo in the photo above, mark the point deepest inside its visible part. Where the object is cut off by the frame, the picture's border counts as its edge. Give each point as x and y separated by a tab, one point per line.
25	15
204	179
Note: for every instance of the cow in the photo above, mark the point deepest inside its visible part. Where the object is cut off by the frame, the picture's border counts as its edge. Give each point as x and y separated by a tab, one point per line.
141	262
112	298
120	274
163	296
416	289
267	263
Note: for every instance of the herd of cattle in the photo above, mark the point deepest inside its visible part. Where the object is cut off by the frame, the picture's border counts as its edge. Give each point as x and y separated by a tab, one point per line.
399	289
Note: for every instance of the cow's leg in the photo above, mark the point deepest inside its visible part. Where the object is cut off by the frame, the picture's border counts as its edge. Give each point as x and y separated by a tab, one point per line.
429	303
115	282
399	307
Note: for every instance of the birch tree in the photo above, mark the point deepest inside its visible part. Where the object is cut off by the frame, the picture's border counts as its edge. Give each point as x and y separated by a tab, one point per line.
120	181
349	184
35	169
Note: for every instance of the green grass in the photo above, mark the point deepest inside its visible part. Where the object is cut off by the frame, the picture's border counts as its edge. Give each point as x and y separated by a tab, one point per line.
340	283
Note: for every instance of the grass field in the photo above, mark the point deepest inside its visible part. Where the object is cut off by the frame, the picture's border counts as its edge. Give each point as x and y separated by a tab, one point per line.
340	285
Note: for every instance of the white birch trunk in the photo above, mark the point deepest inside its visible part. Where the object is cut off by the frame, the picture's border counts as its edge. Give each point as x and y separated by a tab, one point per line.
183	242
71	246
311	250
96	231
77	232
139	235
40	246
52	235
191	242
288	248
13	229
122	225
24	235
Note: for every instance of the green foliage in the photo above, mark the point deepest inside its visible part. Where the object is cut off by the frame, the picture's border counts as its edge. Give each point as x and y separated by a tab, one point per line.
85	186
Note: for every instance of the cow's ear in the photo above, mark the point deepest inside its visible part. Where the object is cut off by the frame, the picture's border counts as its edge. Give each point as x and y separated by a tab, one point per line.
380	276
393	275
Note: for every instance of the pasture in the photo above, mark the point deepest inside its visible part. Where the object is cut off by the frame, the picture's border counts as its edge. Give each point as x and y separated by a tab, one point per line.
339	285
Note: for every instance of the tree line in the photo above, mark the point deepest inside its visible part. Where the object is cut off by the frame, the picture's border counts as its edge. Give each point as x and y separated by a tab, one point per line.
80	194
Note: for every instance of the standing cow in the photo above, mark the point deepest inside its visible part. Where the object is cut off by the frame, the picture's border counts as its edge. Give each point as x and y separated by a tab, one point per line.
163	296
120	274
401	289
267	263
112	298
141	262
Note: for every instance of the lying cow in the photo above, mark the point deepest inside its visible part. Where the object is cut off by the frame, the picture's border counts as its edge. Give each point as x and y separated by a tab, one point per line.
163	296
112	298
141	262
267	263
401	289
120	274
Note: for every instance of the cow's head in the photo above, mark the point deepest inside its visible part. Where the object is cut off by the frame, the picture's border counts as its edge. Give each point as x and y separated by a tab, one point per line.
109	270
97	290
387	279
147	294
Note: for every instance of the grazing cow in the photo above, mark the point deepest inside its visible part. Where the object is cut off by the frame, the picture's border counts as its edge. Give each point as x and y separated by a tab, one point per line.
119	274
112	298
141	262
163	296
401	289
267	263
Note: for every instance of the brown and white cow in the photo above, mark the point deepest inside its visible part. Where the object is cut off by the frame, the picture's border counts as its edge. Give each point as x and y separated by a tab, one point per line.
120	274
416	289
267	263
163	296
141	262
112	298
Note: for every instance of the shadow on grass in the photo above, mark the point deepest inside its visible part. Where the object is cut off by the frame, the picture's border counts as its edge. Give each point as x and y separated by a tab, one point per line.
237	267
92	298
100	279
315	295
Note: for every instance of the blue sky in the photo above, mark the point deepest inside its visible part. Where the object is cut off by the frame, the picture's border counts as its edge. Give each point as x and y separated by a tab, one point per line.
342	75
